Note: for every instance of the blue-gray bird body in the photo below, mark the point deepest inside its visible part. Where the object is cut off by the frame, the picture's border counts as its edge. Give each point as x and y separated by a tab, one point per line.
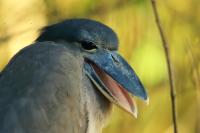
58	84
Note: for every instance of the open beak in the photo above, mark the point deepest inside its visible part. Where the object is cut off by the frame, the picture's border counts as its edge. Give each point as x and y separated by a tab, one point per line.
114	77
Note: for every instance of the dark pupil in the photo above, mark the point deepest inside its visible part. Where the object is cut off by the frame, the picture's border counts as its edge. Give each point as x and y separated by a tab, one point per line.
88	45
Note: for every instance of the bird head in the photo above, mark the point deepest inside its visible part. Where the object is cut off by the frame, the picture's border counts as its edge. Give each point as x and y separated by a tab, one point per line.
107	70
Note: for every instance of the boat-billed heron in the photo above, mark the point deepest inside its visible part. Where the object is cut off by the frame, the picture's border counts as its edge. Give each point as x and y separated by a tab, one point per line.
67	81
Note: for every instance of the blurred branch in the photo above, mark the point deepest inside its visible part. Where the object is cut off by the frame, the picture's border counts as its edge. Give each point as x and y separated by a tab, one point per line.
197	82
169	65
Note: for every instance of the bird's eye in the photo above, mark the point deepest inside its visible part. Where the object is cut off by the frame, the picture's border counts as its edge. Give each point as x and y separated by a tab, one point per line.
88	46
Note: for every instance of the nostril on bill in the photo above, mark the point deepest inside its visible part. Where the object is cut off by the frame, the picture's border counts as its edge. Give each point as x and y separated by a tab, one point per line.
115	60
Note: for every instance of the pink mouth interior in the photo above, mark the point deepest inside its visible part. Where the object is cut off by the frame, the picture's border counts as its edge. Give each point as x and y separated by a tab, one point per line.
119	93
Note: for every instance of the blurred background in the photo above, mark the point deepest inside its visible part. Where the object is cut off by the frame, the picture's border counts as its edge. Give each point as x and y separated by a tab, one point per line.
140	44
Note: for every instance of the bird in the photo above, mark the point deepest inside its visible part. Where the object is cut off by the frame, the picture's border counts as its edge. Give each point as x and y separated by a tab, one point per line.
67	81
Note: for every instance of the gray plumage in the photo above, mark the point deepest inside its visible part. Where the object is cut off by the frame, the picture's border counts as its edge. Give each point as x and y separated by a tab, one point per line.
54	94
